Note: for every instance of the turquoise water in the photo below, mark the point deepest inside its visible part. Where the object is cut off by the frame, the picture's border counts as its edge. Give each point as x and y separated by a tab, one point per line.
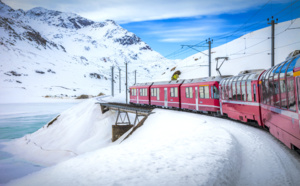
17	120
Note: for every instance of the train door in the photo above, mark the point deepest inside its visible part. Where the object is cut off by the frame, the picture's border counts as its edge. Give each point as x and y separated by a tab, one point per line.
166	97
196	96
137	95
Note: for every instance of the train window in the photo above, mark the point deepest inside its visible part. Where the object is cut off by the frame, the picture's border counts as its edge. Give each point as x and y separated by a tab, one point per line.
238	90
271	84
133	92
189	92
276	93
243	87
283	85
291	94
291	98
224	90
153	92
174	92
143	92
201	91
157	93
234	89
238	87
249	95
206	92
215	92
230	89
227	90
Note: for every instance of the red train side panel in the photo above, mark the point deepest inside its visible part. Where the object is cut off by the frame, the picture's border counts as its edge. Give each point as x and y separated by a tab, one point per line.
166	94
140	93
201	94
240	96
280	101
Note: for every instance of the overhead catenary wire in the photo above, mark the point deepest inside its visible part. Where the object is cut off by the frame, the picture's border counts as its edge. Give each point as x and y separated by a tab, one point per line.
244	28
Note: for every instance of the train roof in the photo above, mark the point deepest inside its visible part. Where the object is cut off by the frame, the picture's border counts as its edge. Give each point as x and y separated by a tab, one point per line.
245	75
169	82
143	84
205	79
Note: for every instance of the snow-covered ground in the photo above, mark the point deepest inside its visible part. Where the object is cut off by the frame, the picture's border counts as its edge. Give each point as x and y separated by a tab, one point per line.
171	148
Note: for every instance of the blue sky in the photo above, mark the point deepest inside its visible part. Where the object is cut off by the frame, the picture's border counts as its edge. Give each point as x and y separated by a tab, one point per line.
165	25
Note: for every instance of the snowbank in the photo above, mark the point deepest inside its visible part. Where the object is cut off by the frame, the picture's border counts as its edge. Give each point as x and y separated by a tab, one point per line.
171	148
77	130
167	150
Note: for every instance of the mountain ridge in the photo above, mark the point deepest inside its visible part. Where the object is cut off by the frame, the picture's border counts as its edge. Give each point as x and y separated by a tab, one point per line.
56	49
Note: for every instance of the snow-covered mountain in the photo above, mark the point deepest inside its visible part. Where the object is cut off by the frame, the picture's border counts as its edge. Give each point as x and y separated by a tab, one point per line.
45	52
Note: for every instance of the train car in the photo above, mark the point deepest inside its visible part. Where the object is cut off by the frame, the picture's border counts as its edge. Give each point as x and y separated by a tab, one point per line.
201	94
140	93
239	98
166	94
280	100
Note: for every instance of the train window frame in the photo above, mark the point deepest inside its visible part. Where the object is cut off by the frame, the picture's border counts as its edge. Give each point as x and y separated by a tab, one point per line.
230	88
174	92
234	92
204	92
283	85
270	79
244	92
290	80
133	91
189	92
276	86
224	89
249	91
215	93
238	87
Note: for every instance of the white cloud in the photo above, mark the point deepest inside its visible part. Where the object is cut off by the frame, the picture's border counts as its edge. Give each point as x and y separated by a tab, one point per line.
124	11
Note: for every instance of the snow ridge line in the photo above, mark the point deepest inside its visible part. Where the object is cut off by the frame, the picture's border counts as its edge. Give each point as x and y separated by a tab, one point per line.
30	141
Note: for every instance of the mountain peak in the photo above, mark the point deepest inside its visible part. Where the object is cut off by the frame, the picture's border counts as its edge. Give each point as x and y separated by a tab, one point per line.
57	18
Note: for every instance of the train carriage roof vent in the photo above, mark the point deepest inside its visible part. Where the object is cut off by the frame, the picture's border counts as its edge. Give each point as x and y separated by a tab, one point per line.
293	54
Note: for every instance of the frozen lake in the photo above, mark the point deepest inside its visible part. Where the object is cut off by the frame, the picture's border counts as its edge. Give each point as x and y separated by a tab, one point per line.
17	120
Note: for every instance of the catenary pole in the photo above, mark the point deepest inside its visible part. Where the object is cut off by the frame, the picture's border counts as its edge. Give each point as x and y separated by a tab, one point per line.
272	23
119	80
126	84
209	41
112	81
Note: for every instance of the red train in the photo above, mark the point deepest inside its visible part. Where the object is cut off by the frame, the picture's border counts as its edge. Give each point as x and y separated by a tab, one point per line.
270	98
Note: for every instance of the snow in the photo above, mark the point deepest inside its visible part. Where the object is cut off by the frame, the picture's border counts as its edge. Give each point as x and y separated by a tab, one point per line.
177	148
171	148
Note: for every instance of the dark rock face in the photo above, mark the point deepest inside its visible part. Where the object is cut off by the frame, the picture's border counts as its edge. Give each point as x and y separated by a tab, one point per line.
128	40
146	48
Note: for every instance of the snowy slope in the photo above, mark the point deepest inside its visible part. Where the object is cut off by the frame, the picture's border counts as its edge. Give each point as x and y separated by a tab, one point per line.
45	52
250	51
178	148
